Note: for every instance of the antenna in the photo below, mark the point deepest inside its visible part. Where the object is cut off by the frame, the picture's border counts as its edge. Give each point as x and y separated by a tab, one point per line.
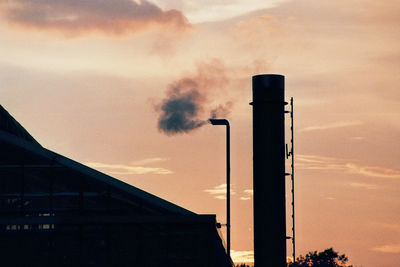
291	154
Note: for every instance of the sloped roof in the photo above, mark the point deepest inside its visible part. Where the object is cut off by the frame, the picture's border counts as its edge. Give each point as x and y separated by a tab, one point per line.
12	133
10	125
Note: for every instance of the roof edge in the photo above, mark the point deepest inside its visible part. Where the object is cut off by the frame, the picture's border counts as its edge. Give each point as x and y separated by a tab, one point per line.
12	126
83	169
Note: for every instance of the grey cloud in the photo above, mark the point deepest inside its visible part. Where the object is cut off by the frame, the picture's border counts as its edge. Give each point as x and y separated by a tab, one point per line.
115	17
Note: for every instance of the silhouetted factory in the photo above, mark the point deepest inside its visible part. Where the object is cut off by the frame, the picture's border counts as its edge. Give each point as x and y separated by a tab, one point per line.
57	212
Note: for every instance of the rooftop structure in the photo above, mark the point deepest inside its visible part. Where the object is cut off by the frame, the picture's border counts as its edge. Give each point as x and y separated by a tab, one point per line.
57	212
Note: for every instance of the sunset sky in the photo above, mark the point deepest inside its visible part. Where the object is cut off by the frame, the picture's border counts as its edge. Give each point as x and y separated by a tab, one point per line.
89	80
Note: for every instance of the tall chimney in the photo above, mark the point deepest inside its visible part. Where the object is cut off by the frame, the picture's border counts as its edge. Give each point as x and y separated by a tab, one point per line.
269	170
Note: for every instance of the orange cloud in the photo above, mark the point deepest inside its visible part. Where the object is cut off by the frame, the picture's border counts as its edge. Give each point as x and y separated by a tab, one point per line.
373	171
364	186
246	256
313	162
116	169
76	17
149	161
331	126
219	191
248	193
394	248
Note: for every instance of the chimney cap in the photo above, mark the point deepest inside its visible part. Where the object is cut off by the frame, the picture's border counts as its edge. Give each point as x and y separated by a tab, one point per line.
219	121
268	87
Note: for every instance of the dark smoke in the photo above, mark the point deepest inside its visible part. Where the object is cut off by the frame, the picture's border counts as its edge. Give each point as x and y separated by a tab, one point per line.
183	109
180	110
221	111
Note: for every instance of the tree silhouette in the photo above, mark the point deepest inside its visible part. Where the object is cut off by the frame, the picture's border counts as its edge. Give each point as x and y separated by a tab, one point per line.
326	258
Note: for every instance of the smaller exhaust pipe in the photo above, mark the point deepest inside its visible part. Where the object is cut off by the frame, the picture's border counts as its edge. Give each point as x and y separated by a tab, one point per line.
228	181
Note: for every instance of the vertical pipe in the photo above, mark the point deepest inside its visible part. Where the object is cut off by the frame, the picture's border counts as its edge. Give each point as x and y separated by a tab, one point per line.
228	190
292	166
228	181
269	171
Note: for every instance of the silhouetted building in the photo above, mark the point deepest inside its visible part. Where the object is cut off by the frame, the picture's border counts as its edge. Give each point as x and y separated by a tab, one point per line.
57	212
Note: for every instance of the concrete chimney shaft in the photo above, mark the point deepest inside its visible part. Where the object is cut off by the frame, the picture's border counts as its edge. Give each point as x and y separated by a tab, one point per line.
269	170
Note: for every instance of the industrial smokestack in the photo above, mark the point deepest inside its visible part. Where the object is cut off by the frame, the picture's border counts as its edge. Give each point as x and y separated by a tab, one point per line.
269	170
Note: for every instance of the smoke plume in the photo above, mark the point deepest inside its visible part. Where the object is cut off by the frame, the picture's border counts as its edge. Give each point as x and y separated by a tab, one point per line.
180	110
221	110
187	100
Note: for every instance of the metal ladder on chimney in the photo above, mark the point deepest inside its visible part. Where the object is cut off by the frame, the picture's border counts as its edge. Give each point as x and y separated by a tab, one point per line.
291	155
